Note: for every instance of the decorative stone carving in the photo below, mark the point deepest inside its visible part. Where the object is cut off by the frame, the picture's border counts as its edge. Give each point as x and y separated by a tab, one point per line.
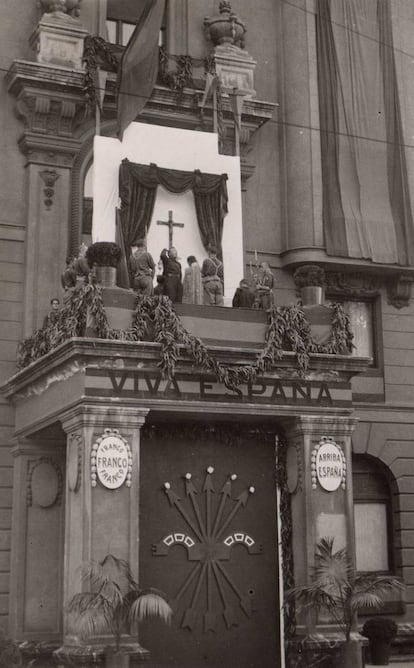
59	37
355	284
232	64
399	290
49	177
44	483
225	27
69	7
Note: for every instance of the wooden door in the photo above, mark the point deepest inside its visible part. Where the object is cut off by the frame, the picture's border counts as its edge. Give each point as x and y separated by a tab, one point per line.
208	539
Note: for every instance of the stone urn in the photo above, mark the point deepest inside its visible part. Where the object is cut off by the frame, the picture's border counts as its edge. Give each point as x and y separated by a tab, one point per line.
225	27
69	7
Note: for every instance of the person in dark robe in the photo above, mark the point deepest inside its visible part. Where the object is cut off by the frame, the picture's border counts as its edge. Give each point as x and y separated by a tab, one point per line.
213	279
243	297
172	275
142	268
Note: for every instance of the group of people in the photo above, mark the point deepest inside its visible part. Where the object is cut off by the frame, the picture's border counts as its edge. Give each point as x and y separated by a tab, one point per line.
259	293
200	285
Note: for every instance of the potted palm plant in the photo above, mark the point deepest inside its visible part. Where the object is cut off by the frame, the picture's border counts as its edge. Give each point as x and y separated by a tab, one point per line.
380	631
340	591
113	605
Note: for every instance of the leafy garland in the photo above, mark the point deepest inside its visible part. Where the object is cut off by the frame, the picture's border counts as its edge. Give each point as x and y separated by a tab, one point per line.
96	50
154	319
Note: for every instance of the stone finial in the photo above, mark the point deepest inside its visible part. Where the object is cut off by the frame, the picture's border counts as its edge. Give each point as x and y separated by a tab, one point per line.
225	27
69	7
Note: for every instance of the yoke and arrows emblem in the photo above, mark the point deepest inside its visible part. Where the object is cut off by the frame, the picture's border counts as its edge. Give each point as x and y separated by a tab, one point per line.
209	545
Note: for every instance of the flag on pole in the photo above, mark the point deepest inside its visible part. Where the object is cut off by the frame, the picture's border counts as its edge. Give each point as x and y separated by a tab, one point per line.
139	64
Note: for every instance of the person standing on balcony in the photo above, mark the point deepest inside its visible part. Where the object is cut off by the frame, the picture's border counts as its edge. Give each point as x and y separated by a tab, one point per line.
142	268
172	275
213	279
192	283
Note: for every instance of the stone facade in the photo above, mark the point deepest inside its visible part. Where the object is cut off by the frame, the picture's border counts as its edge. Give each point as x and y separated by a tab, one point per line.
47	149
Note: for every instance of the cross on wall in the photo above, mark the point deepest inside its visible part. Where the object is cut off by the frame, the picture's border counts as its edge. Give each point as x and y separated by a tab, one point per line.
171	224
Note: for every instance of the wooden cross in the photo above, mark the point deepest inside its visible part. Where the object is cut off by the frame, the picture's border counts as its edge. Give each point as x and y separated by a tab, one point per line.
171	224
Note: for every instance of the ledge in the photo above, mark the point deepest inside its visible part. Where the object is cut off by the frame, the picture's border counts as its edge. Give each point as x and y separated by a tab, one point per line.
85	374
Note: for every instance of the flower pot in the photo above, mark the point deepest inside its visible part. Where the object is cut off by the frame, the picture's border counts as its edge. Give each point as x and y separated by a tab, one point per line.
380	652
311	295
105	276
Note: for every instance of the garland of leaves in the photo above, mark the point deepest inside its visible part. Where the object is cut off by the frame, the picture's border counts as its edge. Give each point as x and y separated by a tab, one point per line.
96	51
154	319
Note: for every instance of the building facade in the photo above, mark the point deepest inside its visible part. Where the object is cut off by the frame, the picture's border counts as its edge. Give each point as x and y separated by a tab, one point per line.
313	123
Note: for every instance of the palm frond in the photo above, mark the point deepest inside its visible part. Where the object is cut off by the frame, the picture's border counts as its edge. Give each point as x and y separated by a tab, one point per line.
90	614
149	604
337	588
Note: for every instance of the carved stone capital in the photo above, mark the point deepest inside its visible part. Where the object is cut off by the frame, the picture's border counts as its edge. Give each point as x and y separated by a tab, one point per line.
50	102
399	290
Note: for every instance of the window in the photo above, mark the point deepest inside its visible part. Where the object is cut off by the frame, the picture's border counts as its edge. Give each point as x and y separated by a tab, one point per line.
362	323
364	315
122	16
373	515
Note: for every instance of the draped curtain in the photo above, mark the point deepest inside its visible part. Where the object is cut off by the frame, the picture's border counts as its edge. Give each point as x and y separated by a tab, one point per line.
138	188
366	207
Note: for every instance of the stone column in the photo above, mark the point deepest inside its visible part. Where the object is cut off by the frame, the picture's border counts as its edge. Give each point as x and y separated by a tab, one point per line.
300	126
99	520
37	542
317	512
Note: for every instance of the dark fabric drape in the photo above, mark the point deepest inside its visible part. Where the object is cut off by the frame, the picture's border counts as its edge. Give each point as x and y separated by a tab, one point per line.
397	166
366	210
122	273
138	187
139	64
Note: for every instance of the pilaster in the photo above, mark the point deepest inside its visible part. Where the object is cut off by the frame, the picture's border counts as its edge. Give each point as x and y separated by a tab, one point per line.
37	541
316	512
50	103
99	520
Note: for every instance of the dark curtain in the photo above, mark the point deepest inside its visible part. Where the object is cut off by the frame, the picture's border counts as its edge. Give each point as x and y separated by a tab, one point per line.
366	209
397	166
138	187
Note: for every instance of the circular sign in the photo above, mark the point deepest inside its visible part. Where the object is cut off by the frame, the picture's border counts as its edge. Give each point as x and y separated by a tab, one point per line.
112	461
329	466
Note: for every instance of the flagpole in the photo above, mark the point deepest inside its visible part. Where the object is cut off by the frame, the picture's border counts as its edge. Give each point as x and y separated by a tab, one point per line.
215	120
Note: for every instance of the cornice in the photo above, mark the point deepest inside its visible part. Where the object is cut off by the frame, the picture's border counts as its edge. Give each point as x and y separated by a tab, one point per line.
74	355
